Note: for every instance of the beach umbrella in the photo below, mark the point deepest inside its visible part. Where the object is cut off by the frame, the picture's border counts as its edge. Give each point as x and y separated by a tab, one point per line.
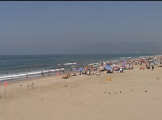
80	69
123	64
108	67
122	67
116	67
94	66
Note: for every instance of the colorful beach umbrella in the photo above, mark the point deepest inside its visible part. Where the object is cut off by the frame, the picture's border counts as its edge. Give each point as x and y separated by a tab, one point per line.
116	67
94	66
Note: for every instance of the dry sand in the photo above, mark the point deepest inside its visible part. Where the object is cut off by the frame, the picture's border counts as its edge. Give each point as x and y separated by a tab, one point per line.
132	95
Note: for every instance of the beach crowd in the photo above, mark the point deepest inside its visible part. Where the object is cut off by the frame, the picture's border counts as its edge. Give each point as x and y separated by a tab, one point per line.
115	66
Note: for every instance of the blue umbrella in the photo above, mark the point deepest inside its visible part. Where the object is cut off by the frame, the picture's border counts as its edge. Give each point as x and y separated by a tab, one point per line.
108	67
80	69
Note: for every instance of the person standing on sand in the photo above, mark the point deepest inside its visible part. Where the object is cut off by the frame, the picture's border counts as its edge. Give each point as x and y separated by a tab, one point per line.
152	67
42	73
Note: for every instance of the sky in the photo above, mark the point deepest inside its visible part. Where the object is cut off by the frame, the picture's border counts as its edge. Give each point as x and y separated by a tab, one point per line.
80	27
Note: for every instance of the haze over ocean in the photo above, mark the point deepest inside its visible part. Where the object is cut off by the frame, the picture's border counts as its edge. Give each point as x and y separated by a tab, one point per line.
80	27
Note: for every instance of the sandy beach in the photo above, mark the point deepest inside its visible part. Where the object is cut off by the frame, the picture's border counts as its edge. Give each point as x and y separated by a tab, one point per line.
69	60
132	95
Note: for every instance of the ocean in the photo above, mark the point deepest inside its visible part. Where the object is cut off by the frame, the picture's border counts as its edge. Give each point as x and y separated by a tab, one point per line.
14	67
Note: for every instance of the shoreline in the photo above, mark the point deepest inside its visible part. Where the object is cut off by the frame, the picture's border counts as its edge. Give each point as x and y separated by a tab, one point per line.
37	74
60	70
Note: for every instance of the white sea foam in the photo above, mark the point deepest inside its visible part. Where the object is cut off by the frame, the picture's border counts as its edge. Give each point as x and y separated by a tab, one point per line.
27	74
70	63
93	64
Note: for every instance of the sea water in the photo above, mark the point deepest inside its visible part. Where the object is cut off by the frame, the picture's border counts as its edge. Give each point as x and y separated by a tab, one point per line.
23	66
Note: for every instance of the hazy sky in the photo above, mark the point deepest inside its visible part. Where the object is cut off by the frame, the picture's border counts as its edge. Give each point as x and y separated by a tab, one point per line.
74	27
